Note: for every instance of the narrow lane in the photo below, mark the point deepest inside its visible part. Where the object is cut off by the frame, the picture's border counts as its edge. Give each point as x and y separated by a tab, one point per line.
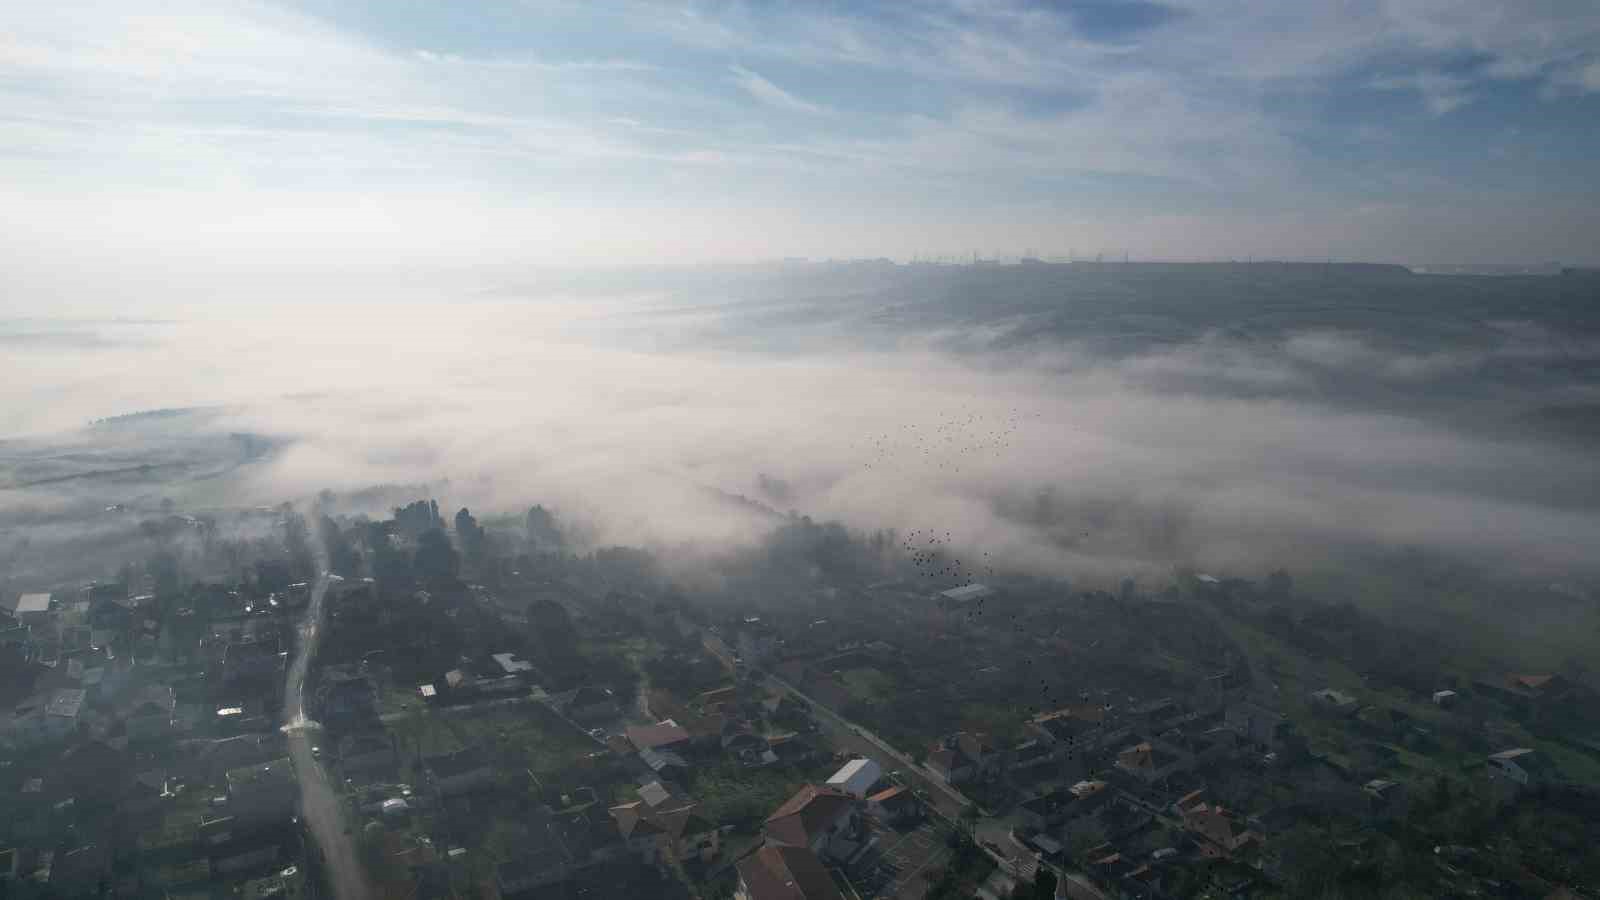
846	733
321	807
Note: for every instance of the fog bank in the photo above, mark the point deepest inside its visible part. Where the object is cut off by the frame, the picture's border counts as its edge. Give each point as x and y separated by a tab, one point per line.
631	411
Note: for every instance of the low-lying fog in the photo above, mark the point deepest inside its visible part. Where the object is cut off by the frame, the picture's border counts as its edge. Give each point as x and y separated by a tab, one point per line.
643	412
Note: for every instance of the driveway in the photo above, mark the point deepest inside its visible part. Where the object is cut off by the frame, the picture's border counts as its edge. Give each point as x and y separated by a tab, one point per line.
897	863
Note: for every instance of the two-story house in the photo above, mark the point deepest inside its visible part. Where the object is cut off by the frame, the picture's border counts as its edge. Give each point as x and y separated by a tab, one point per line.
964	756
662	826
823	820
664	735
1222	831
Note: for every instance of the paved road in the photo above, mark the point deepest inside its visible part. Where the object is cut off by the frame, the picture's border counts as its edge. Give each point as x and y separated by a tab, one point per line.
850	736
320	805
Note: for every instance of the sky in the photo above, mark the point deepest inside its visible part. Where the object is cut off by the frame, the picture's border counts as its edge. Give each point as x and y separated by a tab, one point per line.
138	137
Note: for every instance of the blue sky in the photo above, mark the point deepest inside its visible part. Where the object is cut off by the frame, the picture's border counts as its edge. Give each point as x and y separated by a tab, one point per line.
1414	130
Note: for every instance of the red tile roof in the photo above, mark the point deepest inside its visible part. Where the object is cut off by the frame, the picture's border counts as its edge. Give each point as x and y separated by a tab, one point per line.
1532	682
631	820
811	810
661	734
787	873
1138	756
888	794
672	817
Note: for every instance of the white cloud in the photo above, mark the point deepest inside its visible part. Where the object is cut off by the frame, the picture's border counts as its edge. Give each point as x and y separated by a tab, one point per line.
250	103
772	95
1440	93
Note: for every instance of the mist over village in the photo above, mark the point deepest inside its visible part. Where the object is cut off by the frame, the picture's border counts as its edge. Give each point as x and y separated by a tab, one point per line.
1100	450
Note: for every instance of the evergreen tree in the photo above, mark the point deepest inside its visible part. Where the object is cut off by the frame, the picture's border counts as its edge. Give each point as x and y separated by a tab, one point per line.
435	558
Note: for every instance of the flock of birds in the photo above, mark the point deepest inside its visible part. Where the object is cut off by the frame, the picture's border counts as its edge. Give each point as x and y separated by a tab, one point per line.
928	551
946	445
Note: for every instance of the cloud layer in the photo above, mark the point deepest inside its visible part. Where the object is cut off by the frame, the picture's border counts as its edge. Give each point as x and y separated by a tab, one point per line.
1416	130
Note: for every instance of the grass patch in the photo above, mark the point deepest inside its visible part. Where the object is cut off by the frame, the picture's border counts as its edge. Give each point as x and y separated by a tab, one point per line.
527	735
734	794
430	730
868	684
392	699
1574	765
178	826
182	874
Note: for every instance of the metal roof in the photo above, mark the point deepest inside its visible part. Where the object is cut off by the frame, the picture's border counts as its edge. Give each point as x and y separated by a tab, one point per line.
966	592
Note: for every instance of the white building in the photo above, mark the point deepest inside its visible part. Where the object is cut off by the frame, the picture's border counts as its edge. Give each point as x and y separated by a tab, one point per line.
510	665
1335	701
965	594
856	777
31	609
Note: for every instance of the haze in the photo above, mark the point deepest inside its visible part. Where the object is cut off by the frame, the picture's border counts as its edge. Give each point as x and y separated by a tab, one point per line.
390	237
1074	420
926	449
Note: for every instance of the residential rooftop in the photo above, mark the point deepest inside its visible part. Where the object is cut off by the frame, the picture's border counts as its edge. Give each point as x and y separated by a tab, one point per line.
967	593
787	873
31	603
